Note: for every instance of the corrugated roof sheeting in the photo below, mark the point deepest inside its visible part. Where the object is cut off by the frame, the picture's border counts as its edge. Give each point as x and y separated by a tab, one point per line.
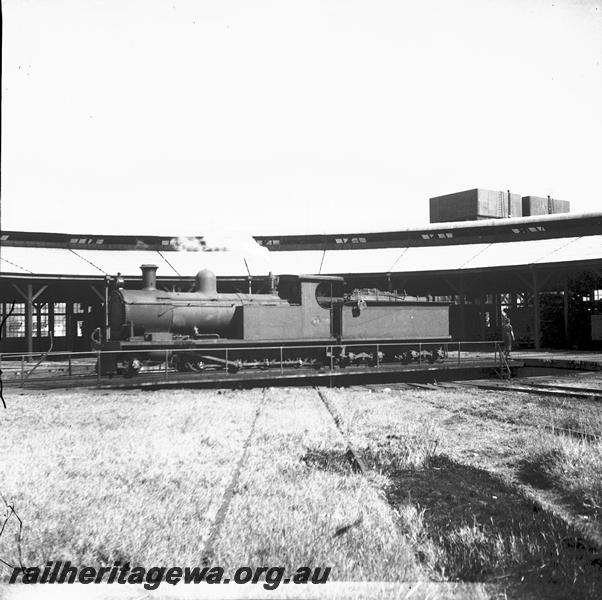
61	261
469	256
515	253
127	263
438	258
55	261
583	248
45	261
221	263
400	259
300	262
538	252
359	261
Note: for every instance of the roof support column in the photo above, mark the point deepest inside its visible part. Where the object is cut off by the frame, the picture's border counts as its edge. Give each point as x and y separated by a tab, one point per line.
107	326
29	296
29	318
483	312
462	311
497	309
104	299
565	302
69	328
536	313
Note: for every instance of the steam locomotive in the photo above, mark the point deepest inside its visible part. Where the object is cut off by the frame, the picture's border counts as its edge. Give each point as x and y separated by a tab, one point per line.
303	321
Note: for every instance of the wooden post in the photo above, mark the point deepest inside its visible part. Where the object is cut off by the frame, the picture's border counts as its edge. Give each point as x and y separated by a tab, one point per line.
483	310
462	316
69	321
50	310
106	307
29	297
29	319
565	299
536	313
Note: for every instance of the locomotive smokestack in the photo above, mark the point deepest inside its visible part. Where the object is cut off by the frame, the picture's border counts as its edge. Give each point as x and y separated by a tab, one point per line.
149	277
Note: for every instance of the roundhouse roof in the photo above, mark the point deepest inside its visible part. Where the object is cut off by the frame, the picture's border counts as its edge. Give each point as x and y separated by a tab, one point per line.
443	247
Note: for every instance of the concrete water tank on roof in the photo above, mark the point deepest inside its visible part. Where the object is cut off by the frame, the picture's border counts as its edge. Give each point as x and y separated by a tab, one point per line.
536	205
472	205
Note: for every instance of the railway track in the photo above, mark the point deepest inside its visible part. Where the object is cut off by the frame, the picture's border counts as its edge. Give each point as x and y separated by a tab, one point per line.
540	389
352	455
583	435
208	548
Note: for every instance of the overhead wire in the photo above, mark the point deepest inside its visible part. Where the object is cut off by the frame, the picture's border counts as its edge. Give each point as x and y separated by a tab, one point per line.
16	265
88	261
174	269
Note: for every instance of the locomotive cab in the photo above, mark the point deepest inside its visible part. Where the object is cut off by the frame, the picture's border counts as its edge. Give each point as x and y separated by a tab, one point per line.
311	313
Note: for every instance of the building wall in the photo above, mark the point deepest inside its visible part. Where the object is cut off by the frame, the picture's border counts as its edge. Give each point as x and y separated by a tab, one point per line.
472	205
537	205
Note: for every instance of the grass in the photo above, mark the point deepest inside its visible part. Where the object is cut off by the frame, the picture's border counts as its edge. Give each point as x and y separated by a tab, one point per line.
299	502
131	476
569	465
139	477
464	521
99	476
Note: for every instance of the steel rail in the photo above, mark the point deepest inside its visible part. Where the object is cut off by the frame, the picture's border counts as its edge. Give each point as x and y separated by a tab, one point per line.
585	435
355	460
208	550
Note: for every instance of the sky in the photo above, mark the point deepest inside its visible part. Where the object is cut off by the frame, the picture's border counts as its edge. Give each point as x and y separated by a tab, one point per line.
183	117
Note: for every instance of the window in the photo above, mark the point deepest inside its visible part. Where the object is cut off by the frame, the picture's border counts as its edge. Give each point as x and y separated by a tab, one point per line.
15	324
60	319
41	311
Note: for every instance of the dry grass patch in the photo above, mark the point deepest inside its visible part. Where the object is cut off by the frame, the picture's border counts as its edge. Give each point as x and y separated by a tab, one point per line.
388	437
463	522
299	503
99	477
568	465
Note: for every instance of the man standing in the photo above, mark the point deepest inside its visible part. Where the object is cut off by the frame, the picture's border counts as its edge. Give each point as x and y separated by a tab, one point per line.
507	335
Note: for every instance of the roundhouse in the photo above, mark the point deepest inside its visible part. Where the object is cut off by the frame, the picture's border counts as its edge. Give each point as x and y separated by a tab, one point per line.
544	271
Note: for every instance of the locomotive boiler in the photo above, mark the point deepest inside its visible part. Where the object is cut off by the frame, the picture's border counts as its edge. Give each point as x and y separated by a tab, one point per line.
306	321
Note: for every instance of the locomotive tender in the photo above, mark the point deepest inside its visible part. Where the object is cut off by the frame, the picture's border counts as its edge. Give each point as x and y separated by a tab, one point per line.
307	321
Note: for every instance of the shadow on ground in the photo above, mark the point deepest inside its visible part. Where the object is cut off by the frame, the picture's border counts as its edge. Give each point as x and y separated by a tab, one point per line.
537	471
486	531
